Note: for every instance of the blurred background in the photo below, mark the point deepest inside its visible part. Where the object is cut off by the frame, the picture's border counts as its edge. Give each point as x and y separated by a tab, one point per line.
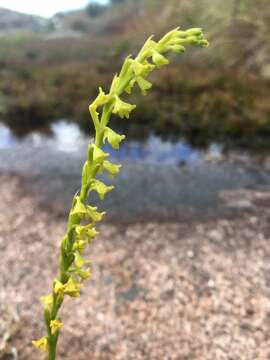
191	202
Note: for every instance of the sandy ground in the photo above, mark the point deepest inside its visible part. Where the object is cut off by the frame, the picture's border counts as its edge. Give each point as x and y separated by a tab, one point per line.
160	290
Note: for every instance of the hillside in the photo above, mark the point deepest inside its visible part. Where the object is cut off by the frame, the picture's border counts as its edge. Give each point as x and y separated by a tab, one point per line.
208	95
11	21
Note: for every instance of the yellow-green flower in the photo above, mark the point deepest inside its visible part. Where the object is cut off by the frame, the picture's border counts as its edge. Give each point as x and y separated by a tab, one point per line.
55	325
113	138
86	232
112	169
100	188
123	109
86	211
98	155
72	288
59	288
143	84
84	273
47	301
41	344
79	244
100	100
158	59
79	261
142	69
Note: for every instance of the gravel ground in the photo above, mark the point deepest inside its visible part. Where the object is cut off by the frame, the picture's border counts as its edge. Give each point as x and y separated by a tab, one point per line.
160	290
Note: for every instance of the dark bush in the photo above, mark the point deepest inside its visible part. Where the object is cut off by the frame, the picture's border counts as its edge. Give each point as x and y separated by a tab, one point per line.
95	9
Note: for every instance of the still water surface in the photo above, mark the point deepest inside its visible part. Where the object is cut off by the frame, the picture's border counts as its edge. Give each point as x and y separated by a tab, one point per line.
67	137
158	178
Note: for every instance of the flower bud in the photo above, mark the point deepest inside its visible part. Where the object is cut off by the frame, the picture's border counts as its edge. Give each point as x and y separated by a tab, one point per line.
194	32
178	49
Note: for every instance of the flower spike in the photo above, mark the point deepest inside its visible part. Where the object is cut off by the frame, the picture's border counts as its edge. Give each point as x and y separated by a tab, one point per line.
73	269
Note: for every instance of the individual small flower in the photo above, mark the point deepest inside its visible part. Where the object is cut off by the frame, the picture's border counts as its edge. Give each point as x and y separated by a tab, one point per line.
72	288
96	154
158	59
113	138
55	325
41	344
142	69
100	100
79	245
59	288
122	108
86	211
84	273
143	84
79	261
79	208
94	215
100	188
86	232
47	301
112	169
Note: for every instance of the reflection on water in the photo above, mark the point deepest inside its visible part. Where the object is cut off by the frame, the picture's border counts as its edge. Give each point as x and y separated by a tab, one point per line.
64	136
67	137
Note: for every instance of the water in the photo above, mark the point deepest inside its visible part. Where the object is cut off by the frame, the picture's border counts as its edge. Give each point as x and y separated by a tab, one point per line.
158	178
64	136
67	137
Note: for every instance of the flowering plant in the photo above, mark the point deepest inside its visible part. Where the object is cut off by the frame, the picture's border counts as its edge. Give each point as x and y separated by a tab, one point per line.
73	267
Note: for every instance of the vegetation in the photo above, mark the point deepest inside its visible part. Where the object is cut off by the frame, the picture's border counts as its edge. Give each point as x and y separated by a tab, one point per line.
95	9
224	99
74	269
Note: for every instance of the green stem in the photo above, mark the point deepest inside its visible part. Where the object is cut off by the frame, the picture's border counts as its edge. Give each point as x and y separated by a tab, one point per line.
52	349
52	343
